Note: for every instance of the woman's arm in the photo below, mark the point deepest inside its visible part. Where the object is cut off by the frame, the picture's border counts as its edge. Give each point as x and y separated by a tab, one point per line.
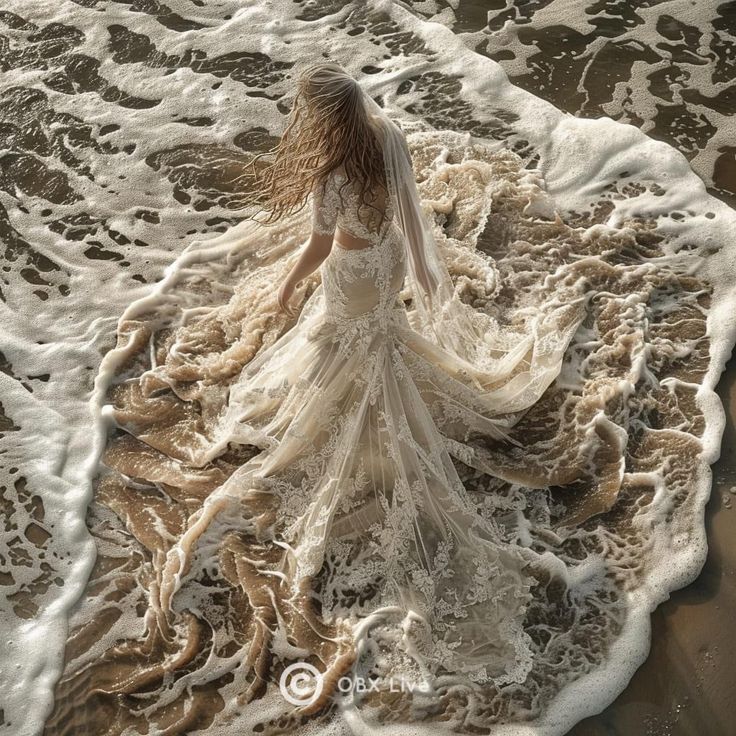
317	249
325	205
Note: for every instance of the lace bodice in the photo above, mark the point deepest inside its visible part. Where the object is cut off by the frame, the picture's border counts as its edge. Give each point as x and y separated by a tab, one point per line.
338	203
360	285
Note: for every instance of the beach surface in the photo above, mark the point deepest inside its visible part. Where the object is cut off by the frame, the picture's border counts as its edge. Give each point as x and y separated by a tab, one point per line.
127	132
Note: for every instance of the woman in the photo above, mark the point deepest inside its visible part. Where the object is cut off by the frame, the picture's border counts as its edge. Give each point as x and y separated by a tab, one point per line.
353	512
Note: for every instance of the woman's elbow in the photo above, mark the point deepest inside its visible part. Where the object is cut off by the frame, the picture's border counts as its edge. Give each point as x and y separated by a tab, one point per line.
321	245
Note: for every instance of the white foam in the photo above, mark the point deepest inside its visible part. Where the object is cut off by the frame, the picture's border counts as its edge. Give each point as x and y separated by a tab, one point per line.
62	428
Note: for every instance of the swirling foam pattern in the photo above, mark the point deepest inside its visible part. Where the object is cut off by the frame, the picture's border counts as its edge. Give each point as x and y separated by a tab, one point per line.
125	128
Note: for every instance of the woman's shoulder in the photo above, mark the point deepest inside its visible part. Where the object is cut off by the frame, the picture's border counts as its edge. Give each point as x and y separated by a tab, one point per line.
338	173
330	183
334	179
323	181
335	173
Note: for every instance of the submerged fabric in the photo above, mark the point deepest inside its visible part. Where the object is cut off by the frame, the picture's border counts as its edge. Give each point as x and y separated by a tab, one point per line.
357	416
197	607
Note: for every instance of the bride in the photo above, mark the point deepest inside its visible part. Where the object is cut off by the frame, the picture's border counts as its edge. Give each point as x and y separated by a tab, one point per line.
352	517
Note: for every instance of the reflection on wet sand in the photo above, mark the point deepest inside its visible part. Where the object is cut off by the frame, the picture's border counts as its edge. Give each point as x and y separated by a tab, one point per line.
231	632
125	138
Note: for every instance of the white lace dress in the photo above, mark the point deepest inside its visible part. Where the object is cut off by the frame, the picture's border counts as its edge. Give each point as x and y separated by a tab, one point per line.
357	415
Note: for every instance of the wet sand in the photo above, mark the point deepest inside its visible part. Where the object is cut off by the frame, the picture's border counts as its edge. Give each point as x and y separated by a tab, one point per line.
656	65
686	686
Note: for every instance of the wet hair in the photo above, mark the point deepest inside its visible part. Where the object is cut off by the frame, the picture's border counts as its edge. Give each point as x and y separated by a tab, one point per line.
328	128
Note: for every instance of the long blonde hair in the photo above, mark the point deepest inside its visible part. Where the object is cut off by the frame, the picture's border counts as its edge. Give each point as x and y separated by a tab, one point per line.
328	128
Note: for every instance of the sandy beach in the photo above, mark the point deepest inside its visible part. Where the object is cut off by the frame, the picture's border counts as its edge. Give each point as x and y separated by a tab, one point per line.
127	132
686	685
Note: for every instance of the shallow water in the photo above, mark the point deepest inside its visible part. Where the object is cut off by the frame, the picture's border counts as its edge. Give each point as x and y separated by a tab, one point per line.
684	687
126	140
665	66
